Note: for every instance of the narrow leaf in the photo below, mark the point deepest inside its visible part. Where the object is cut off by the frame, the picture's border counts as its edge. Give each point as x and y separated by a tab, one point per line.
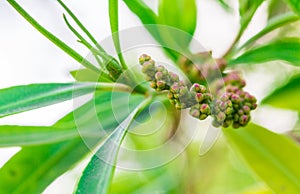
272	156
98	174
71	52
247	10
286	96
181	14
150	21
285	50
86	75
114	25
23	98
34	135
273	24
33	168
81	26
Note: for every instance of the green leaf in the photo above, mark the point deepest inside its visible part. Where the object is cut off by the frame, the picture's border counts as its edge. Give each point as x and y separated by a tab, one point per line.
98	174
247	10
34	135
181	14
114	25
81	26
286	96
23	98
52	38
33	168
272	156
150	21
273	24
295	5
225	5
287	50
86	75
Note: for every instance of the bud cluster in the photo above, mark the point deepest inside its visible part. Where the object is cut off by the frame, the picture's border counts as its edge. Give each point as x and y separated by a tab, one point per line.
231	107
202	108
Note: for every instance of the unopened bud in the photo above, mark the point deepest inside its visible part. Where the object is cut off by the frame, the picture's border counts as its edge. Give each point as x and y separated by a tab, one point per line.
195	113
199	97
205	109
244	119
143	58
159	75
173	77
161	85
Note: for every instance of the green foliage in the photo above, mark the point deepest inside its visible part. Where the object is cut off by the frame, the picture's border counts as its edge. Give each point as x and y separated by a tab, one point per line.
286	49
247	9
49	151
98	174
269	155
33	168
286	96
272	25
23	98
175	23
178	14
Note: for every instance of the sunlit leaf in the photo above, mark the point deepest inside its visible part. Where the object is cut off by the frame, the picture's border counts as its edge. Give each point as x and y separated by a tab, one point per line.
114	26
34	135
181	14
273	24
247	9
34	168
286	96
150	20
23	98
272	156
287	50
86	75
98	174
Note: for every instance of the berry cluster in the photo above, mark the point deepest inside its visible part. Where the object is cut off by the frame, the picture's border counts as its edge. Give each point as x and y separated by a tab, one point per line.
228	107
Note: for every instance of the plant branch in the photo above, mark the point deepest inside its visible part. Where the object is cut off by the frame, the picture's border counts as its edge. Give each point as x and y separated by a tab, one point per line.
81	26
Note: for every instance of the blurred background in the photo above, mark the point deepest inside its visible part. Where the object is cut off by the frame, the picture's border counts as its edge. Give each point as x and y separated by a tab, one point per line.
27	57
